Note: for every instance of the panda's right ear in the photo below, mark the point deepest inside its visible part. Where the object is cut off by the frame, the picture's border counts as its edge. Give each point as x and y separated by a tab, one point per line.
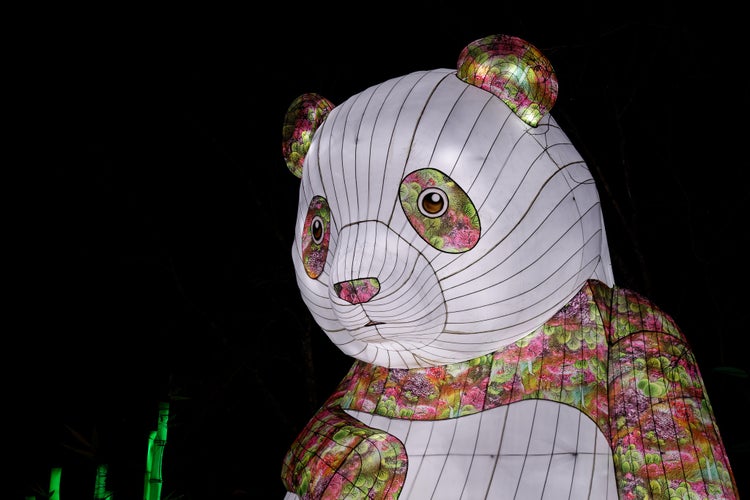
302	119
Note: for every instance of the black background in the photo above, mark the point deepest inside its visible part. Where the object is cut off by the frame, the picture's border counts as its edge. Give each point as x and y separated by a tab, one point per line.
151	214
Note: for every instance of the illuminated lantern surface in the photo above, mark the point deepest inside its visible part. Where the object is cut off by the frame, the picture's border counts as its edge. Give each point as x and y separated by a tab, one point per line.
450	239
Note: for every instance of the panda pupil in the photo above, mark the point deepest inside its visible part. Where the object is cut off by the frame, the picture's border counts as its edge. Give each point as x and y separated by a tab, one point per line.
433	203
317	230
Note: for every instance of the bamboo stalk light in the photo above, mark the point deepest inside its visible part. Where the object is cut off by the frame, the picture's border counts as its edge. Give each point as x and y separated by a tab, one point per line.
55	476
156	444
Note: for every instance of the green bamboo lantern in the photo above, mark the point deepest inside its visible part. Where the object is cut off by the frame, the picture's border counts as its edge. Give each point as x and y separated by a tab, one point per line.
54	483
100	483
156	442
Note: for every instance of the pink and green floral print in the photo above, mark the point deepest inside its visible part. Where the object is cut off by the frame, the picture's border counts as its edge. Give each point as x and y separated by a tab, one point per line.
439	210
303	117
316	234
357	291
515	71
664	438
340	457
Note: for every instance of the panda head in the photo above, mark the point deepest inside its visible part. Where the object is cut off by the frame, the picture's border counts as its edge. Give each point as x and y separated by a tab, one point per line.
442	214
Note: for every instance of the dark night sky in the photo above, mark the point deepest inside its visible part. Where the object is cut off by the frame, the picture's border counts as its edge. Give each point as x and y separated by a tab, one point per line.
152	214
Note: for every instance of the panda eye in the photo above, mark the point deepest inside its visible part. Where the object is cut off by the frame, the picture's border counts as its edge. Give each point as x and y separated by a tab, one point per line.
432	202
317	229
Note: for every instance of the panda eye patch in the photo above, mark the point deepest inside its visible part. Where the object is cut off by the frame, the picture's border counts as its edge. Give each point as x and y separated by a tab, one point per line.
315	235
439	210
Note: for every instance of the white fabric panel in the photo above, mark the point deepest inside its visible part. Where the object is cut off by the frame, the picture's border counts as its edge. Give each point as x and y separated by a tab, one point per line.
430	147
386	110
544	431
466	441
400	145
504	483
541	448
567	439
533	479
482	467
440	442
453	477
337	156
519	423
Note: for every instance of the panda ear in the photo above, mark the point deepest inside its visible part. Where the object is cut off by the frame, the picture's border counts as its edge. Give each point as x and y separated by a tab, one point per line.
513	70
302	119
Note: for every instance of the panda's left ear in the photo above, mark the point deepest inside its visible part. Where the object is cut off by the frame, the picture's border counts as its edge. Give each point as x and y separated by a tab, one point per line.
513	70
302	119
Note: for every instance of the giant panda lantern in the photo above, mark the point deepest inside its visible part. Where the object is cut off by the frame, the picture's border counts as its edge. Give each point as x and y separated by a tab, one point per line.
450	239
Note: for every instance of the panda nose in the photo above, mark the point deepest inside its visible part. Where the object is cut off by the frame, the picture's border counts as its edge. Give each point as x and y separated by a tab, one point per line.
357	291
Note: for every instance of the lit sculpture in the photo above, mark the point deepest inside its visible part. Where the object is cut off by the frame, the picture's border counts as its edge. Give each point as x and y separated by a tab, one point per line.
450	239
